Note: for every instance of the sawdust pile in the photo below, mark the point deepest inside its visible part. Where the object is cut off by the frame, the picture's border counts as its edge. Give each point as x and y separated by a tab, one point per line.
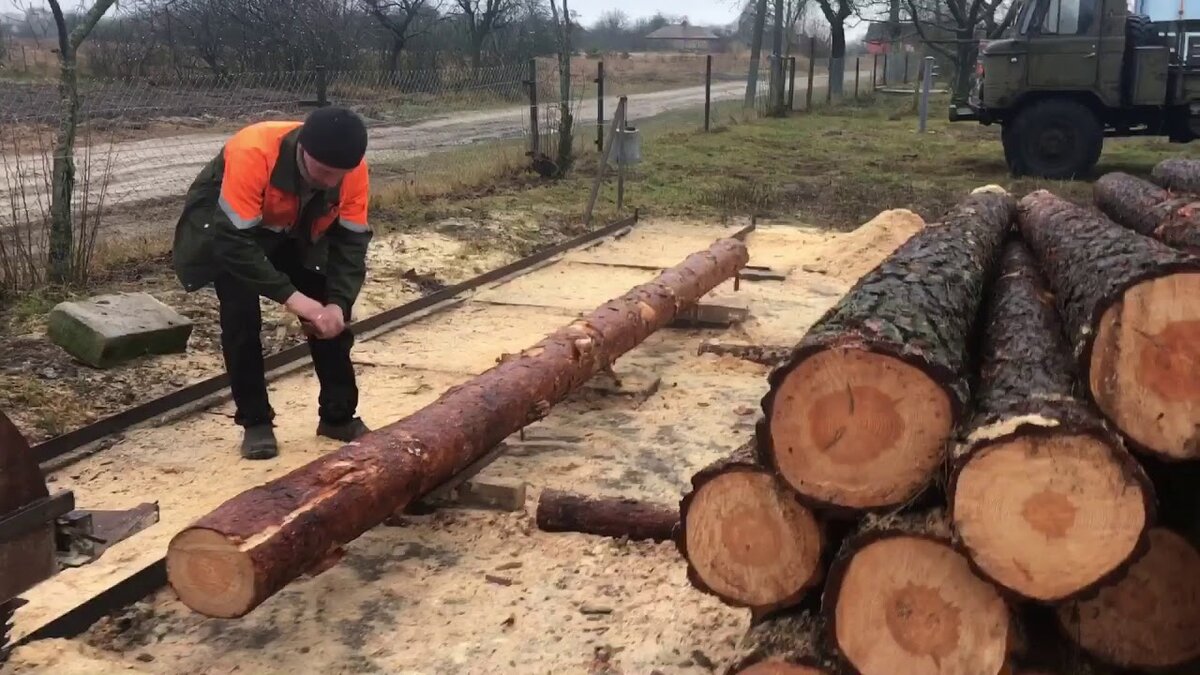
66	657
850	256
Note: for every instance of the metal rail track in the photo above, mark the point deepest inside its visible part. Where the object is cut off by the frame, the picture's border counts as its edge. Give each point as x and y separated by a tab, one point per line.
153	577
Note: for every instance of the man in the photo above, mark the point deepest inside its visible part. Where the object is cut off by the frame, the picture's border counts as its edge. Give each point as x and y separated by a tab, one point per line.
281	212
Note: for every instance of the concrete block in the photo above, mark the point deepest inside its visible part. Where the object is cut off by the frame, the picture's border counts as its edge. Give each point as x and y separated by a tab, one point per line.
110	329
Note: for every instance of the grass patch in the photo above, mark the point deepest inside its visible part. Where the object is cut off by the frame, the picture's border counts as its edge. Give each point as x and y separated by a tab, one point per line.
49	410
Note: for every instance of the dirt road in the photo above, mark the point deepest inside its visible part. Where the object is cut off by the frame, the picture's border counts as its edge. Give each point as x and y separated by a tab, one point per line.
159	168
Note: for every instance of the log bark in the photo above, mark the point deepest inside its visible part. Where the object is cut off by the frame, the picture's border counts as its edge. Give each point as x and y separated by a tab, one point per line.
1131	308
567	512
788	643
901	600
253	545
1177	175
1045	499
766	355
860	416
1150	210
1149	620
746	538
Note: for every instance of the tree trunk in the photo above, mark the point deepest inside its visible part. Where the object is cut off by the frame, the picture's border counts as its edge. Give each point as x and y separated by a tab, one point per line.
766	355
860	417
756	40
1177	175
785	644
746	538
1149	620
1131	306
837	57
901	600
63	169
1045	499
253	545
565	512
964	66
394	61
1148	209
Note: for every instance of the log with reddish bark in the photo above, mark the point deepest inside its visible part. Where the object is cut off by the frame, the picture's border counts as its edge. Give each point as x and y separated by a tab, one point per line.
788	643
745	536
1044	497
1179	175
1150	619
253	545
1148	209
901	600
559	511
860	416
1131	308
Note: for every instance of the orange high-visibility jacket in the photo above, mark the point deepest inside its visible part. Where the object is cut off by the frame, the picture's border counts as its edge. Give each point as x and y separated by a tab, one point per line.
251	199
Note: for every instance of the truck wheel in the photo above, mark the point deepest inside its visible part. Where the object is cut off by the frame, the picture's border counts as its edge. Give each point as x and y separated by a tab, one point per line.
1139	31
1057	139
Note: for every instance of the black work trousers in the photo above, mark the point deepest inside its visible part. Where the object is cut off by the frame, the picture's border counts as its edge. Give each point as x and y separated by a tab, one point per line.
241	345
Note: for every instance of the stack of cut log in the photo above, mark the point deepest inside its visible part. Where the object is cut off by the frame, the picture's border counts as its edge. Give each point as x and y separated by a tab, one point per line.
942	481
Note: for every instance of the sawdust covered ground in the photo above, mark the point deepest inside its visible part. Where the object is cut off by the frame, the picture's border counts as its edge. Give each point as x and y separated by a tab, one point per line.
476	592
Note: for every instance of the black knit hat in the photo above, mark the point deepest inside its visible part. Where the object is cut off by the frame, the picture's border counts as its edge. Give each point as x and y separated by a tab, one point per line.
335	137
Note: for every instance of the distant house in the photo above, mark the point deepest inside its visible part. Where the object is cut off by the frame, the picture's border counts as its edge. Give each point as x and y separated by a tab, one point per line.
684	38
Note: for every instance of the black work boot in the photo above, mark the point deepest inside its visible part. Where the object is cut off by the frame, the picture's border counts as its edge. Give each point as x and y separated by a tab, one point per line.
259	442
345	432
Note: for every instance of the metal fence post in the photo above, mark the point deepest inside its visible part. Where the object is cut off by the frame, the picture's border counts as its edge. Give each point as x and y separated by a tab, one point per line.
829	80
707	91
322	88
926	85
905	67
875	73
885	69
857	68
812	63
600	106
534	134
791	94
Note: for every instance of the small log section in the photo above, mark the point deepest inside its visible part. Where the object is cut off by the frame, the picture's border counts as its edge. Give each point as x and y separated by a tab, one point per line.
1045	499
1148	209
785	644
746	538
1149	620
860	416
559	511
234	558
901	600
1131	307
1177	175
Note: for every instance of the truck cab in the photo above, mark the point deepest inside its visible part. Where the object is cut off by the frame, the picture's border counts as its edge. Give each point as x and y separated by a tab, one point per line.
1071	72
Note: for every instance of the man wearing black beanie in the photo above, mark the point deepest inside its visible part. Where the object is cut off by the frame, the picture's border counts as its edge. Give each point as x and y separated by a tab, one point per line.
281	212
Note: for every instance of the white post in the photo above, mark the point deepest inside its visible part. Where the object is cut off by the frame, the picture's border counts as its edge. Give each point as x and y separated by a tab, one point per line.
926	85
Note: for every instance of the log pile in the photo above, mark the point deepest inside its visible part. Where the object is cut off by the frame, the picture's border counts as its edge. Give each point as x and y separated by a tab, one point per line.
1001	420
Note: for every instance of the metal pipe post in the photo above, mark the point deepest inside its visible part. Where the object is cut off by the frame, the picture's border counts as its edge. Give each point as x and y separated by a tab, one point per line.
857	68
829	80
534	135
905	67
707	91
600	106
791	93
322	88
875	72
926	85
812	63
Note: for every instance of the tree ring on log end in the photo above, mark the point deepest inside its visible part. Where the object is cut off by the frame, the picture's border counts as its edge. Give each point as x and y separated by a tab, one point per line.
858	429
750	541
1145	365
781	668
211	574
1151	617
909	605
1048	515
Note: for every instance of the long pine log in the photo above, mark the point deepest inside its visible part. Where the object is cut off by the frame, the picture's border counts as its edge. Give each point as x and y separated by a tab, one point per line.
250	547
901	600
860	416
1150	619
746	538
1177	175
559	511
1148	209
1131	308
1044	497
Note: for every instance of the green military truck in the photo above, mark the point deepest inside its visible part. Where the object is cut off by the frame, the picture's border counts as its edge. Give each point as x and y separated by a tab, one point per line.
1070	73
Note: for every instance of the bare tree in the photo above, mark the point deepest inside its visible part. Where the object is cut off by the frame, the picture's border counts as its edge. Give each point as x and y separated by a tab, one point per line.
968	21
562	30
63	171
401	19
836	12
756	40
483	18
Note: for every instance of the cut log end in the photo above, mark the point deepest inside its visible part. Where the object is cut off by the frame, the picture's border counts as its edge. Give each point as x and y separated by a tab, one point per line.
211	574
1149	619
908	603
858	429
781	668
1147	346
1049	515
750	542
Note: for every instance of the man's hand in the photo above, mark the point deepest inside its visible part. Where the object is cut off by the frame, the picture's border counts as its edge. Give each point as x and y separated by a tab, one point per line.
330	323
323	322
